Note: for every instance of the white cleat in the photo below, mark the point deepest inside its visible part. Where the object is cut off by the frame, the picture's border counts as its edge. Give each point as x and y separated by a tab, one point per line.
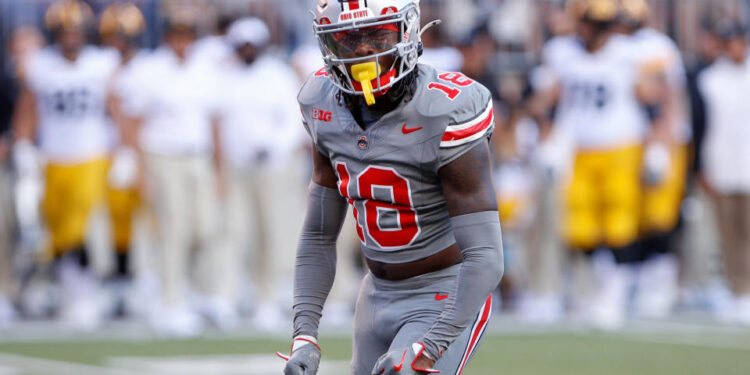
657	288
177	323
607	311
742	310
540	309
8	313
220	313
81	304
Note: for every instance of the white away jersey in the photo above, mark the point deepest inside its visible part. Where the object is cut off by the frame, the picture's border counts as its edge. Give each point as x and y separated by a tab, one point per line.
598	105
389	171
176	100
661	54
71	102
259	113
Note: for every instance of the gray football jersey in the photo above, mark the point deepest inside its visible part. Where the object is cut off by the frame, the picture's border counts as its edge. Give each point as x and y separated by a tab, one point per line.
389	171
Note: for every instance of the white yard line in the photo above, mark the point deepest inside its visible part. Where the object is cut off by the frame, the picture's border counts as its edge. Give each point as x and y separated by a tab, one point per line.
31	365
217	365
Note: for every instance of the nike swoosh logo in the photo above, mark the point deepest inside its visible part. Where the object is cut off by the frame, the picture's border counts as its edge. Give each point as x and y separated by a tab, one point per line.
439	297
405	130
400	365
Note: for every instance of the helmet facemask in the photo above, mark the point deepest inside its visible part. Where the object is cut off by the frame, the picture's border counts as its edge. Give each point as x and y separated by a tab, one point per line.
395	36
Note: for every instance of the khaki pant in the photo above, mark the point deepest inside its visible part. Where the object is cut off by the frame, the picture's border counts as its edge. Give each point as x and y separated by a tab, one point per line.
183	197
733	213
6	231
700	259
265	209
545	255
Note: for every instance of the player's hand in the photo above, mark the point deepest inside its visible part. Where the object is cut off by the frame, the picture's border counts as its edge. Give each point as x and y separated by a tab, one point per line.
656	162
26	159
305	357
124	170
407	361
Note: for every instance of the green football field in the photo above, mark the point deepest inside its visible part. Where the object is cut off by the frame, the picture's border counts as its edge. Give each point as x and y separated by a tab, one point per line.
646	348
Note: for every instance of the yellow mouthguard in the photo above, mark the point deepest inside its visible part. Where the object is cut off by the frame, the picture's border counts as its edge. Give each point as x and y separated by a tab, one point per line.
364	73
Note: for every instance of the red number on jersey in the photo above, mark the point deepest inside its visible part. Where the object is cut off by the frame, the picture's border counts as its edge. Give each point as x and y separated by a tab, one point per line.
401	205
451	92
457	79
344	190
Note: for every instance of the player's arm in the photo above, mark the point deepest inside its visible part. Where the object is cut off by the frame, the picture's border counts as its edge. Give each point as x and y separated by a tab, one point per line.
654	93
217	155
24	128
470	198
657	97
127	168
315	265
24	121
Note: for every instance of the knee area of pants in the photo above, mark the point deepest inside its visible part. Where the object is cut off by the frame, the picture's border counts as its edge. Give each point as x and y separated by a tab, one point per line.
76	255
627	254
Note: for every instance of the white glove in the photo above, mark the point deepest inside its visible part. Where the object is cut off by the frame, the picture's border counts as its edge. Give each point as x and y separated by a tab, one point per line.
656	163
28	192
124	169
304	358
401	362
26	159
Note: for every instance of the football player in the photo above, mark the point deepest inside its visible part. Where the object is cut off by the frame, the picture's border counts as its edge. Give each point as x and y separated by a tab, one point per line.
8	94
172	105
119	25
63	106
723	85
599	110
258	154
407	146
665	162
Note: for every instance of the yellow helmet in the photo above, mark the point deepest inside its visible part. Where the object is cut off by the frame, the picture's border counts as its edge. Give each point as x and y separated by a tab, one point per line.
182	19
68	14
634	11
122	19
573	8
597	10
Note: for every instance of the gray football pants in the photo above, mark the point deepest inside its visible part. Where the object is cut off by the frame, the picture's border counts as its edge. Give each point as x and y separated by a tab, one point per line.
391	315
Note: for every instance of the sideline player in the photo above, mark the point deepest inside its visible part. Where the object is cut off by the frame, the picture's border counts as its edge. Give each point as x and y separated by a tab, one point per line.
119	26
63	106
665	162
259	160
173	108
407	146
599	109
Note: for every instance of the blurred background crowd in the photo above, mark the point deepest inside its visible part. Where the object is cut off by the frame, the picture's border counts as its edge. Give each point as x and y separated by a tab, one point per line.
153	165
